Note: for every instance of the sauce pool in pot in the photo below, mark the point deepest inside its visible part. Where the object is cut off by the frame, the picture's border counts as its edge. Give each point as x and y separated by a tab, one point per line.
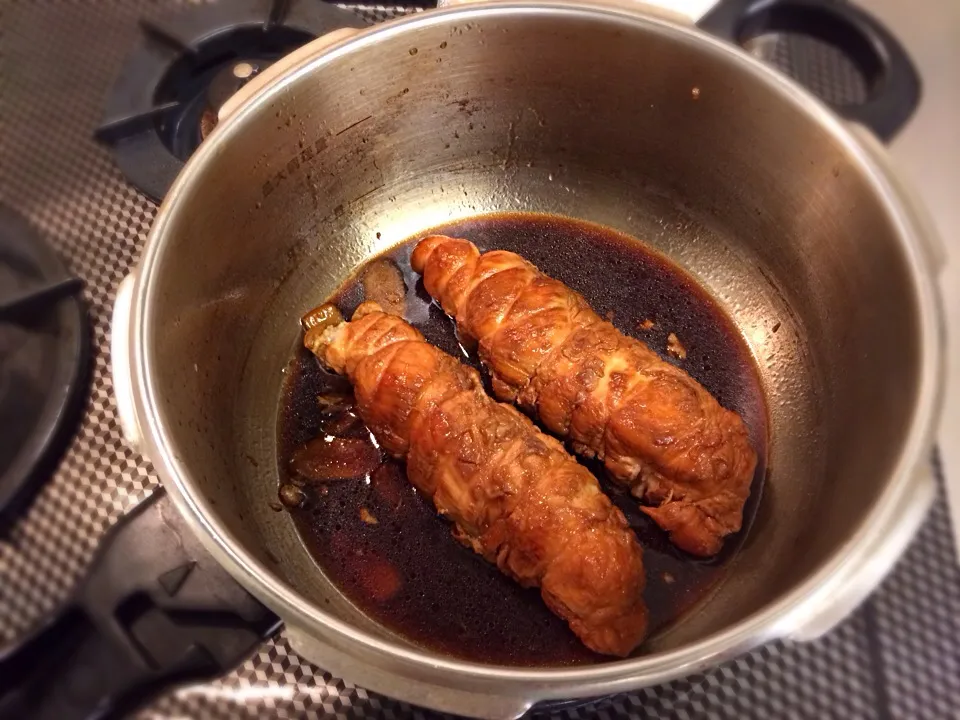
384	546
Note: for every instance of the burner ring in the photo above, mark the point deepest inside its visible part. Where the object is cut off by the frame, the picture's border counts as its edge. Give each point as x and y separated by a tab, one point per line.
45	362
159	109
202	81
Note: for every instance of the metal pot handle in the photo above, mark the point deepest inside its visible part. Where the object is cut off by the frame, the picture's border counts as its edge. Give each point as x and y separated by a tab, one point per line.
687	11
120	363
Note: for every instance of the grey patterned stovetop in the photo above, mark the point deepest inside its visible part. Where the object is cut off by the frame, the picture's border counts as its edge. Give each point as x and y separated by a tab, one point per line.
897	657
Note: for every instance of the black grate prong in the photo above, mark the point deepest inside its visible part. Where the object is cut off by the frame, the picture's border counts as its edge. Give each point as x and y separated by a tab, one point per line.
112	131
279	9
160	35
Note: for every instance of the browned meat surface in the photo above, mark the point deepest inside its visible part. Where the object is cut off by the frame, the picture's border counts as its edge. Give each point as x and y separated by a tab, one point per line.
383	283
654	427
514	494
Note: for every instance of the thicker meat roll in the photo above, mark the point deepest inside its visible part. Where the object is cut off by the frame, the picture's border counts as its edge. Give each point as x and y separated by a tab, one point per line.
654	427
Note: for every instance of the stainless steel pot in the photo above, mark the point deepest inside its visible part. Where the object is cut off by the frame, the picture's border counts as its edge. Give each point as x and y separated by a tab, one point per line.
789	216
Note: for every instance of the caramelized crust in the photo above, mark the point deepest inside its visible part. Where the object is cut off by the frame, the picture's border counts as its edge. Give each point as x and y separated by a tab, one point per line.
515	495
655	428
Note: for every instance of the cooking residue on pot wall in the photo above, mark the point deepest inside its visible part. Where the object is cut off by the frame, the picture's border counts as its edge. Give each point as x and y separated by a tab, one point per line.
385	547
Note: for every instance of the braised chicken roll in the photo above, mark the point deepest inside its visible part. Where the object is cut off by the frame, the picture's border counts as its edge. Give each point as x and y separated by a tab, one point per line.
513	494
655	428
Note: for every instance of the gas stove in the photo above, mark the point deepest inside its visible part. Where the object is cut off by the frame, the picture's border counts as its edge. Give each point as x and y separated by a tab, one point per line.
184	67
99	108
43	360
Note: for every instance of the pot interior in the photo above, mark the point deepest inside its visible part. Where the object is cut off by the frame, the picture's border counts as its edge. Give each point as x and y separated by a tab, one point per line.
625	122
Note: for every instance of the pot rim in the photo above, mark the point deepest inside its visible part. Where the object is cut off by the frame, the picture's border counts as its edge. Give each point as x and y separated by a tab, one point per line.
774	620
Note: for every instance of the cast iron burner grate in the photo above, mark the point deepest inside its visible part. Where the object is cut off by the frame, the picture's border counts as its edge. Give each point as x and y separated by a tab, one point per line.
43	360
166	98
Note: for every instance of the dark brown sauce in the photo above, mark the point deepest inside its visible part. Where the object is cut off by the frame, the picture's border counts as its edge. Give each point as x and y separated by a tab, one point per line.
406	570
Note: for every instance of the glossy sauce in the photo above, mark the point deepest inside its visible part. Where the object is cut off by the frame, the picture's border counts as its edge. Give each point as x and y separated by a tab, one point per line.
406	570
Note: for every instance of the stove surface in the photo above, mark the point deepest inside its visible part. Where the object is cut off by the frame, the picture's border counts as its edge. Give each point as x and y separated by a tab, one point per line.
898	656
43	353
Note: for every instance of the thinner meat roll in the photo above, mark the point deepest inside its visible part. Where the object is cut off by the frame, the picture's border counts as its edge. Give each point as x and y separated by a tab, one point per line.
514	494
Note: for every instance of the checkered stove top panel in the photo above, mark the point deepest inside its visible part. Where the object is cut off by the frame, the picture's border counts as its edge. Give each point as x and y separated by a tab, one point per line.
898	657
